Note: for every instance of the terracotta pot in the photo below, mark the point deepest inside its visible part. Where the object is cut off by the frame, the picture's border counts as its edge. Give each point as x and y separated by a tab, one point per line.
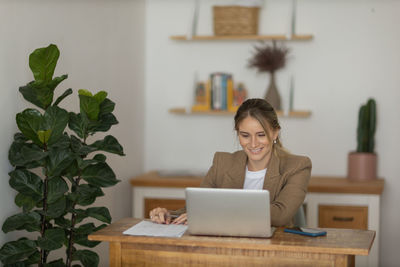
361	166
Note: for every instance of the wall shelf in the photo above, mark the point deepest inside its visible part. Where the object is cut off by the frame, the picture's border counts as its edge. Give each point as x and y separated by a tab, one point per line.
184	111
277	37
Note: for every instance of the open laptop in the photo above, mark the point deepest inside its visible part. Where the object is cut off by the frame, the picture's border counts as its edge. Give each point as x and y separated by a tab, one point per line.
228	212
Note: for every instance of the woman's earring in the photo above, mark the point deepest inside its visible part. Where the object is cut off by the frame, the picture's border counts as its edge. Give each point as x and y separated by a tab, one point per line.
275	141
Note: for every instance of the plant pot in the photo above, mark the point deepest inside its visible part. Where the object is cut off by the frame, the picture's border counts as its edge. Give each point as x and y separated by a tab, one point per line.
362	166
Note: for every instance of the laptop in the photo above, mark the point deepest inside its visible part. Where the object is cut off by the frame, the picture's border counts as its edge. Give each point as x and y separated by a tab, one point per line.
228	212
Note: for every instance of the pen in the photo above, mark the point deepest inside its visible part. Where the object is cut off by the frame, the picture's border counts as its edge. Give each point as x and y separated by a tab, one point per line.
173	216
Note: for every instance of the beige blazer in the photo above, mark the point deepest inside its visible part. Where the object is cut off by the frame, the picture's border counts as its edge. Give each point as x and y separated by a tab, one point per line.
286	179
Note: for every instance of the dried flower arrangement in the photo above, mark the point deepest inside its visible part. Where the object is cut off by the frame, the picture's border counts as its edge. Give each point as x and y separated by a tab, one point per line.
269	58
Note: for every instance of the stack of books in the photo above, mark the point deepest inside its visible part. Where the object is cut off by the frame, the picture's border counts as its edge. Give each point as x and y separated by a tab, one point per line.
219	94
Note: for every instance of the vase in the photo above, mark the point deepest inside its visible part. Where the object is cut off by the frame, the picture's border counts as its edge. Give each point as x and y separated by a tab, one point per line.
272	94
362	166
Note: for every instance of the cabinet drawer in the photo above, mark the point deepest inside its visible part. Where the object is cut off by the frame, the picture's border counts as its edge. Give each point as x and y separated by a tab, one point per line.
168	203
350	217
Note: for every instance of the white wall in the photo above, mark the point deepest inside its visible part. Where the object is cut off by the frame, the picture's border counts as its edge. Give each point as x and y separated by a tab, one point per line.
102	48
354	55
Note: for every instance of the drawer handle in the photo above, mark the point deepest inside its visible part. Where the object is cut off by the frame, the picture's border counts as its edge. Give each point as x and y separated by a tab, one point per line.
343	219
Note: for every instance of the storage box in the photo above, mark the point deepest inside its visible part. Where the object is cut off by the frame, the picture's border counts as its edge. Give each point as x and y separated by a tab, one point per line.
235	20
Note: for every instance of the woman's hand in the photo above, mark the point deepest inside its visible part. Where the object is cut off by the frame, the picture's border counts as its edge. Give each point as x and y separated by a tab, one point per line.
162	215
182	219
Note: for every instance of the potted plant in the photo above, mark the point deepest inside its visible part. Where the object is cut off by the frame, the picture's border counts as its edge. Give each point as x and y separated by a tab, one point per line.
57	172
269	59
362	164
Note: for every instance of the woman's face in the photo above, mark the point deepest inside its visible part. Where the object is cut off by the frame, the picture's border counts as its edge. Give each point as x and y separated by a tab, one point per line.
255	143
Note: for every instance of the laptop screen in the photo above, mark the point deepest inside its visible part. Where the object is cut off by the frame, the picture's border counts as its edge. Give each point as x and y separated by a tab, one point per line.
228	212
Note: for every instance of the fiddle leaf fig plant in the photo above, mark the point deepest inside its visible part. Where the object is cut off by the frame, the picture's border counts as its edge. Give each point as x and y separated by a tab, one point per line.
57	172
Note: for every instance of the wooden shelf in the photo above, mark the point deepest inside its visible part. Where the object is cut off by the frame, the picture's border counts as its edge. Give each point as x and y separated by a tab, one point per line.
277	37
183	111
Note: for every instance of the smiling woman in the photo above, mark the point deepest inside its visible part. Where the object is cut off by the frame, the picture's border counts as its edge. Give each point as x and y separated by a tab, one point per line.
262	164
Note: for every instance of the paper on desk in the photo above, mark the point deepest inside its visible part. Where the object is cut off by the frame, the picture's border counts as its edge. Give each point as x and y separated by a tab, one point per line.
145	228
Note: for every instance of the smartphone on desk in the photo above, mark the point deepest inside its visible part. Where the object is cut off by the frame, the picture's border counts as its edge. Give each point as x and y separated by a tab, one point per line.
305	231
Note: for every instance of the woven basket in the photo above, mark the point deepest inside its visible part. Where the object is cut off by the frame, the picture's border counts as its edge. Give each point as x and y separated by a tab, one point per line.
235	20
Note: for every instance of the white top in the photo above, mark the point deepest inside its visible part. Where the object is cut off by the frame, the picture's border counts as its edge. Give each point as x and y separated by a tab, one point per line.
254	180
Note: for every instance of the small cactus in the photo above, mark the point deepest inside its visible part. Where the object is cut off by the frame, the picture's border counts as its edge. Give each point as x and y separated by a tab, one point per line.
366	127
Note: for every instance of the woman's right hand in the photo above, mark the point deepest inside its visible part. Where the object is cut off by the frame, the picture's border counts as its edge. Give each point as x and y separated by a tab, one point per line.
160	215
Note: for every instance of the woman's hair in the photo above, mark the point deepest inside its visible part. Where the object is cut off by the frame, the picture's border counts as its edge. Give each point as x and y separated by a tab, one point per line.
263	112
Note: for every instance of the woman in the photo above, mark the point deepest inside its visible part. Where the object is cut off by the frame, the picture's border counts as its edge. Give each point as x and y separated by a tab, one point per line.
262	164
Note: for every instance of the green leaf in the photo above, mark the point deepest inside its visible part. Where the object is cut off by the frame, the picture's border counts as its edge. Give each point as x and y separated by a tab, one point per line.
61	97
55	263
83	241
32	152
37	93
89	106
81	235
104	124
100	96
86	257
57	208
86	194
99	213
29	122
78	125
55	119
53	239
79	147
15	251
99	174
59	160
20	138
21	221
100	158
84	92
43	62
80	215
44	136
61	221
62	143
55	82
27	155
27	183
72	171
17	264
107	106
109	144
57	187
85	229
83	163
33	259
25	202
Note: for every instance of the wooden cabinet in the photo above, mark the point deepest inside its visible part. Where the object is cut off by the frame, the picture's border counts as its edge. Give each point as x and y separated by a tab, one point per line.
341	203
331	202
349	217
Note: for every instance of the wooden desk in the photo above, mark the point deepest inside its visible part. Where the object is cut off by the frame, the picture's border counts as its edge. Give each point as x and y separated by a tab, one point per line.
328	198
283	249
